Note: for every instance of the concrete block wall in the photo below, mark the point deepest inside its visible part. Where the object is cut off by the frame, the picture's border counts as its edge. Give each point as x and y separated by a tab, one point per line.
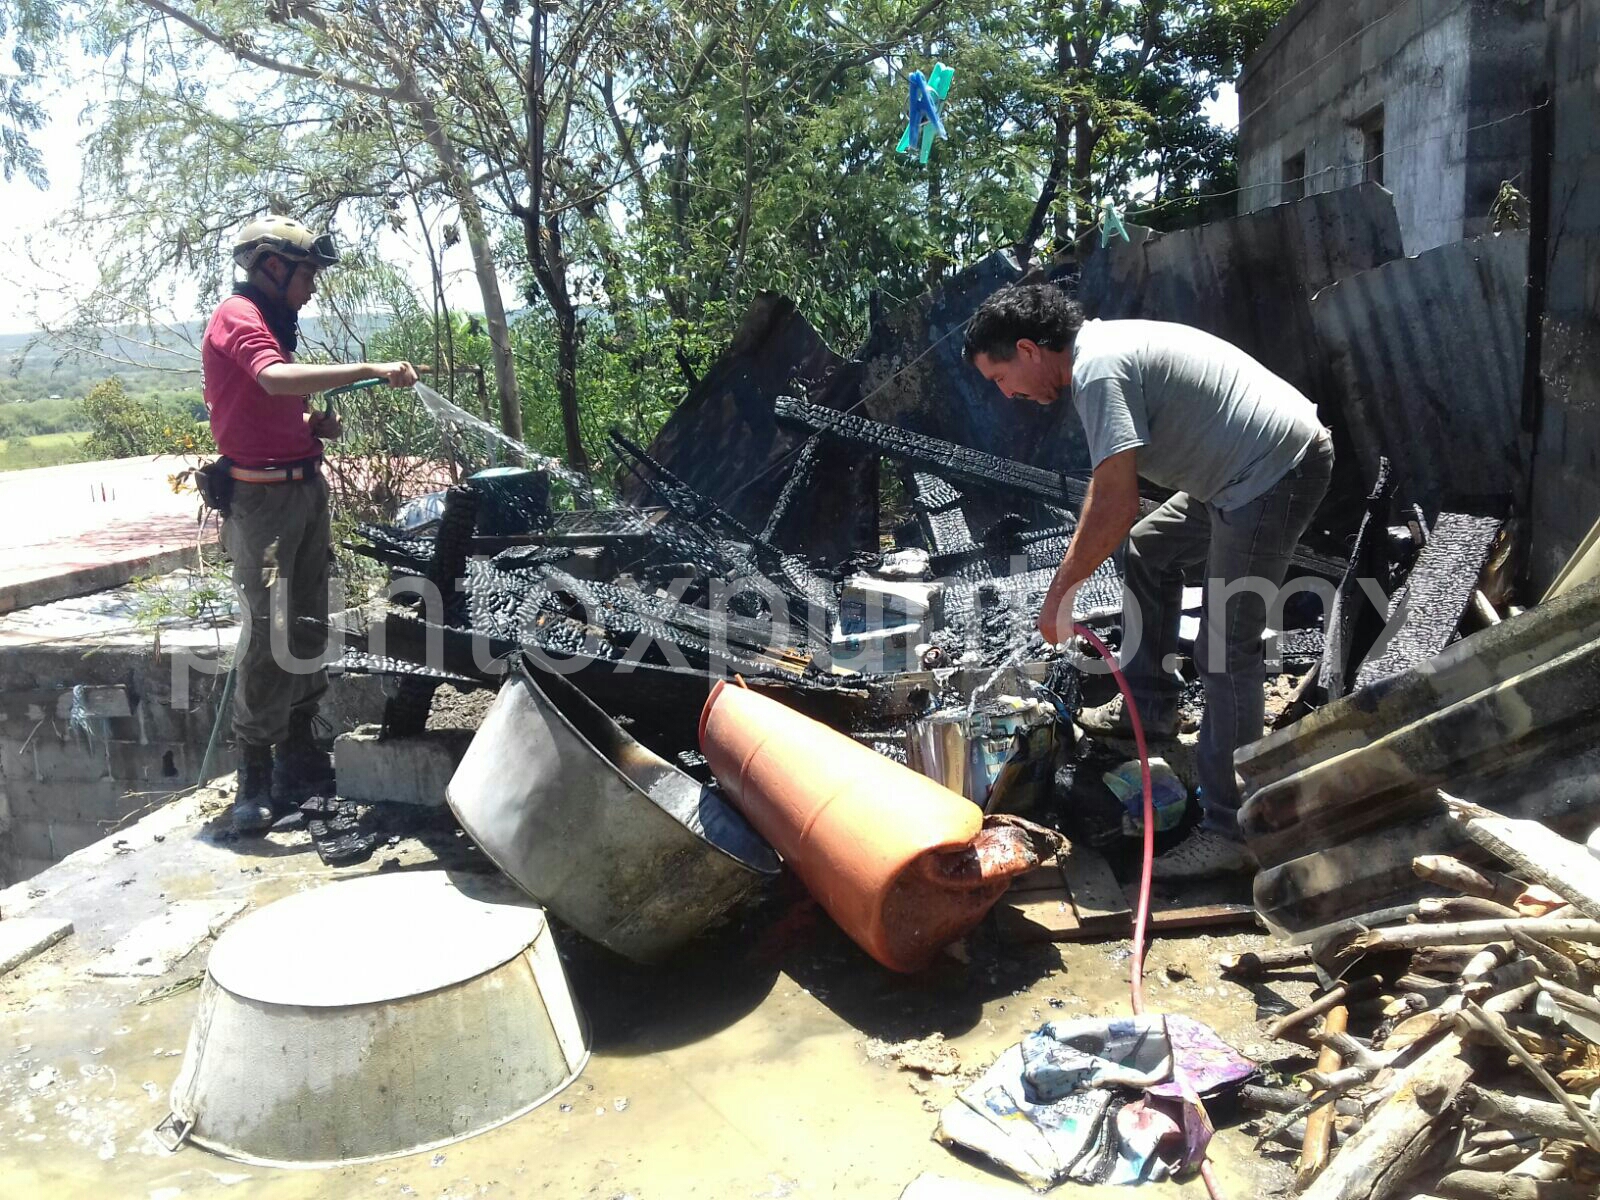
89	737
1566	446
88	740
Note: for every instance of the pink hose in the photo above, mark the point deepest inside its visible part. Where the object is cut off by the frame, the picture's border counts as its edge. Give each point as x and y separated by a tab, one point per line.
1141	919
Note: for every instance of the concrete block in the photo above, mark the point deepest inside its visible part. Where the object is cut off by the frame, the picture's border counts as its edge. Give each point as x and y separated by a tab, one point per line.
39	838
95	700
21	938
16	869
43	756
159	763
30	838
68	837
408	770
101	800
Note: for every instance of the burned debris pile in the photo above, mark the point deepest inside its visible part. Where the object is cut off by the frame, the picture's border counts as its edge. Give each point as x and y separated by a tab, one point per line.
805	633
1457	1054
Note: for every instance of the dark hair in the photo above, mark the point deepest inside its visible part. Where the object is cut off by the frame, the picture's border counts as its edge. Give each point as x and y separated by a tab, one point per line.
1040	312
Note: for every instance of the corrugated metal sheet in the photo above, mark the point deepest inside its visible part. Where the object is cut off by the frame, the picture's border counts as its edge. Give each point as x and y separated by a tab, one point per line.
725	443
914	376
1425	355
1337	805
1250	279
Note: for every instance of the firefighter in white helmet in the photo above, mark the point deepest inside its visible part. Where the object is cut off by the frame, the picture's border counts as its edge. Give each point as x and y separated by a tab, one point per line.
276	517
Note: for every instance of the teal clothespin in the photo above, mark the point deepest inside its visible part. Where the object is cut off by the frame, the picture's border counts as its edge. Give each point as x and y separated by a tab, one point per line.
1110	224
927	97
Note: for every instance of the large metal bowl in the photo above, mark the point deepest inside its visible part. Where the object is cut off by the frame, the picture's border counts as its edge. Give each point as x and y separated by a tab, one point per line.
613	839
376	1017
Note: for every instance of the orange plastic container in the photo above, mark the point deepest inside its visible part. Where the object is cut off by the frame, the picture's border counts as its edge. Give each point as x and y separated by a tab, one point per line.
903	865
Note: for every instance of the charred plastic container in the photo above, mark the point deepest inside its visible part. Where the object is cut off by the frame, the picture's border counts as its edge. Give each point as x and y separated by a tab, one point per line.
613	839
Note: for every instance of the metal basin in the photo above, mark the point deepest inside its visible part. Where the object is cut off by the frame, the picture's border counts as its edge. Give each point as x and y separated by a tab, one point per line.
616	841
376	1017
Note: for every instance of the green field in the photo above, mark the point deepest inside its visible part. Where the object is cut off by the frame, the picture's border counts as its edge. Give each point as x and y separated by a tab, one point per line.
41	450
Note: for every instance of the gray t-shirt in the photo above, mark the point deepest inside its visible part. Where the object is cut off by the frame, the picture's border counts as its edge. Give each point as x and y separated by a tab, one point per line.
1206	418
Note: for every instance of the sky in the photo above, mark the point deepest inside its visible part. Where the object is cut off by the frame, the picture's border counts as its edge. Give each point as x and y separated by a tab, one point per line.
29	212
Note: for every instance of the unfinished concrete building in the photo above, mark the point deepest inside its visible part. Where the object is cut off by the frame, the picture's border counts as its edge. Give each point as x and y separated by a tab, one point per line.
1426	97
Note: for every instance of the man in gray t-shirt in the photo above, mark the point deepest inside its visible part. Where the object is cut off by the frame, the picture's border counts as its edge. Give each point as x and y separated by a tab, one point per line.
1248	461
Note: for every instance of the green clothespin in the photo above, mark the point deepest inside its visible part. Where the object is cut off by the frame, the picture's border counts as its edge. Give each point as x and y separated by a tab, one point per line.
939	84
1110	224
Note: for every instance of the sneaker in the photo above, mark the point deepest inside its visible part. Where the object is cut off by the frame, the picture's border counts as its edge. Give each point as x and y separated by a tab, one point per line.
252	806
1111	720
300	767
1204	854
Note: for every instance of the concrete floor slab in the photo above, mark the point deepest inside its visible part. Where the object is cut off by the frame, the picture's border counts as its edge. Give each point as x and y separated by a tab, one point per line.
24	937
739	1069
153	946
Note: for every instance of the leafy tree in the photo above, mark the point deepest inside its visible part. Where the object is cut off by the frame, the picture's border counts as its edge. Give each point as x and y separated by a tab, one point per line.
644	170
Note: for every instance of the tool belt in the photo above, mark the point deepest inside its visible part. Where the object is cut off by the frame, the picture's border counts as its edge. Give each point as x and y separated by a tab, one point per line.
296	472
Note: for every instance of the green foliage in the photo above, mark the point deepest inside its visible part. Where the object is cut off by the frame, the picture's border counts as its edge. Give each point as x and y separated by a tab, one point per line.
41	450
643	170
124	426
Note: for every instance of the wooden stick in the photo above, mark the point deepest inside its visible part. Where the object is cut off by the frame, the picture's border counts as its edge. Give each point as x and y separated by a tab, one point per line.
1496	1027
1376	1162
1551	961
1282	1100
1257	963
1440	962
1498	1158
1511	999
1485	961
1493	1185
1467	933
1341	1080
1350	1049
1314	1149
1516	973
1355	989
1542	1118
1470	881
1294	1136
1462	908
1543	855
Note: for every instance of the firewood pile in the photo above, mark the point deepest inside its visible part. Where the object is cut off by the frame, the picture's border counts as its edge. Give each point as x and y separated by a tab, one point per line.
1459	1052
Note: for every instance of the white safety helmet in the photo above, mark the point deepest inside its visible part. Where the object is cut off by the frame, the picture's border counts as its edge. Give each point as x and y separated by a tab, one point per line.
285	237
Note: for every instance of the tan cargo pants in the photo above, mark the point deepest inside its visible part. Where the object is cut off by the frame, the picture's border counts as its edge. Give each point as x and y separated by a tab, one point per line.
282	549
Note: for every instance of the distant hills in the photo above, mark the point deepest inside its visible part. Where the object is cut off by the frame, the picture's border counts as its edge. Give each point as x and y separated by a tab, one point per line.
169	360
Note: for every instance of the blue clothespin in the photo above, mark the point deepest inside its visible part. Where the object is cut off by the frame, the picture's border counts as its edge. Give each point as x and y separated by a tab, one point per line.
1110	224
926	96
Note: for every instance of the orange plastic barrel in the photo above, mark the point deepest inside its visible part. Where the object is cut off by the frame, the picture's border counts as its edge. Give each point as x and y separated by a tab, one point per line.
903	865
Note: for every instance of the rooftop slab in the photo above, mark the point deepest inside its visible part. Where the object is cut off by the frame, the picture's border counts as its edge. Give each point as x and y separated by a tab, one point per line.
739	1069
85	527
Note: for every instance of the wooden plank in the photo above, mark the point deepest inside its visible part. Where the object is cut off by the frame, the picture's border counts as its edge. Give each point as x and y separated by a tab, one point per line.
1200	916
1038	916
1544	856
1045	877
1096	894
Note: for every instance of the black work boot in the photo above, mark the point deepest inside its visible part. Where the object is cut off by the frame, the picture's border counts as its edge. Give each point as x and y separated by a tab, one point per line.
300	768
252	806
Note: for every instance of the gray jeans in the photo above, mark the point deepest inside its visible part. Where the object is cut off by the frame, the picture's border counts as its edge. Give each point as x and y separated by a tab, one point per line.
282	548
1246	552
